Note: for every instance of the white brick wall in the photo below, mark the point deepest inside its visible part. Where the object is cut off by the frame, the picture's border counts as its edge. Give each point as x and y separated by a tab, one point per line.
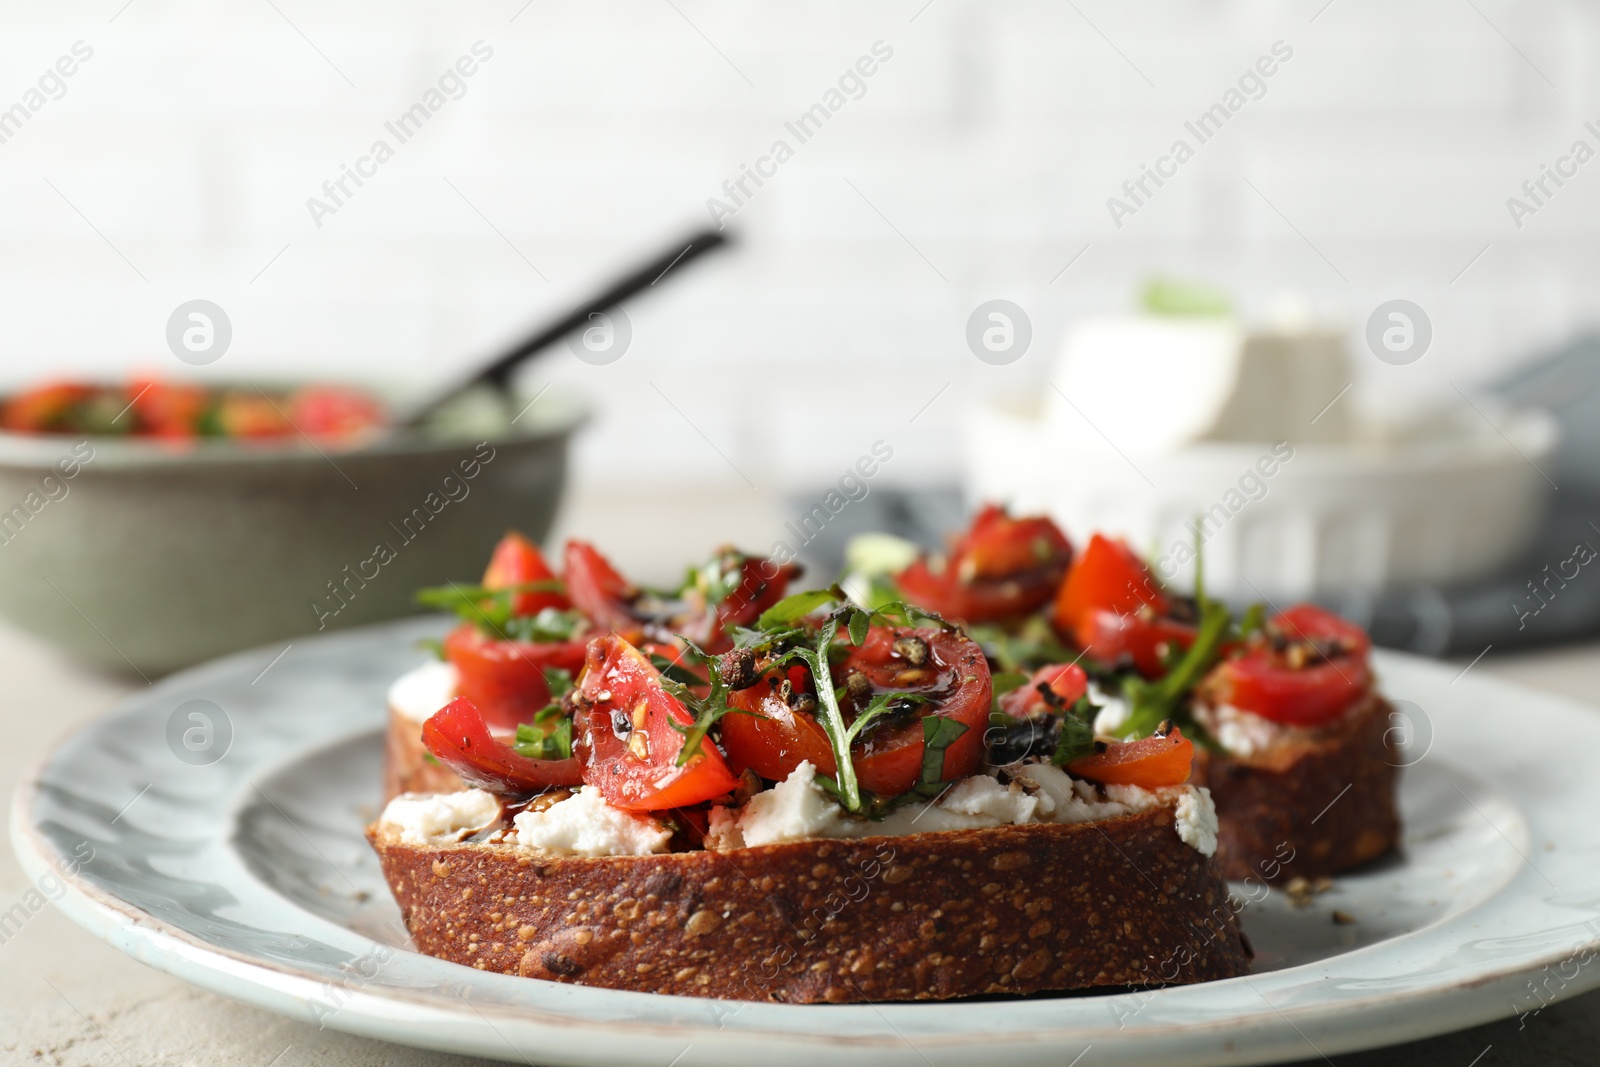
991	140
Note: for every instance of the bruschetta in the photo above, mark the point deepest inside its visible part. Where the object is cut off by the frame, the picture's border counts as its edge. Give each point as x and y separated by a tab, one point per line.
833	809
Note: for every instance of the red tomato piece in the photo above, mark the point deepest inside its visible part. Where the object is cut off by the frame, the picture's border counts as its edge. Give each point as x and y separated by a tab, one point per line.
762	584
1141	638
1306	669
998	546
953	674
459	738
1150	762
626	740
1108	576
43	407
167	409
334	410
775	738
1066	681
518	561
1001	568
598	590
505	679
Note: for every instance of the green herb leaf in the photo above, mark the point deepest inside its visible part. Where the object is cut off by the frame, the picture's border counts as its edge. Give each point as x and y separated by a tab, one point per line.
1004	682
489	608
1255	617
859	621
556	744
548	625
938	734
791	609
1031	647
1151	702
1076	739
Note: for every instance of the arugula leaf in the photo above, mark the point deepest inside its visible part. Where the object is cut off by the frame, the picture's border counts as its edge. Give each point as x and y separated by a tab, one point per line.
938	734
434	645
550	624
1031	647
1255	617
489	608
1151	702
796	606
859	621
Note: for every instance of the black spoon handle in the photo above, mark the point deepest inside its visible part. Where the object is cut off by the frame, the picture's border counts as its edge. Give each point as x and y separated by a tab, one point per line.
498	373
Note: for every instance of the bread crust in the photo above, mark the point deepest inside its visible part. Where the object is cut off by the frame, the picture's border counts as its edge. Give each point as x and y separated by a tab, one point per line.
931	916
1311	807
407	767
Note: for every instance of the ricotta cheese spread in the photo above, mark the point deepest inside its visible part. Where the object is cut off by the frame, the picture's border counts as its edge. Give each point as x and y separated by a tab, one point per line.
1113	713
585	825
797	808
1244	733
420	692
432	818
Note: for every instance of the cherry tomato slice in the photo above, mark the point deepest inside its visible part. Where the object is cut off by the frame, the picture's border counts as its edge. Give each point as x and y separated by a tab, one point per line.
505	679
977	601
518	561
774	738
626	740
999	546
1305	670
762	584
459	738
1150	762
1066	681
1108	576
1142	638
953	674
597	590
1000	569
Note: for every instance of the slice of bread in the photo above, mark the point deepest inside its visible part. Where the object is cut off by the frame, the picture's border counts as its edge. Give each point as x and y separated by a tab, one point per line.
927	916
1315	805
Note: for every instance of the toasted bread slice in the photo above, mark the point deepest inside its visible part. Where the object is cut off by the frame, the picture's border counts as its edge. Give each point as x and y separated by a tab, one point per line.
927	916
1314	805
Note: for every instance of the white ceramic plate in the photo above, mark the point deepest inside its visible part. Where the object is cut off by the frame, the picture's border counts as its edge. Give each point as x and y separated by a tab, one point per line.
247	874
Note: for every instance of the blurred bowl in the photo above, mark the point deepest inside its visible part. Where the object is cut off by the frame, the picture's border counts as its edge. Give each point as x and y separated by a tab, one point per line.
1442	502
152	555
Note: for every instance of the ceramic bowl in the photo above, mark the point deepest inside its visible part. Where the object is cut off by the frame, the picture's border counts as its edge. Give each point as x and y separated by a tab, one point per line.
145	555
1447	501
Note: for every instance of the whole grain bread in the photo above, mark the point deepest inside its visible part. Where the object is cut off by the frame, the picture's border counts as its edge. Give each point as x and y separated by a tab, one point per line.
930	916
1309	808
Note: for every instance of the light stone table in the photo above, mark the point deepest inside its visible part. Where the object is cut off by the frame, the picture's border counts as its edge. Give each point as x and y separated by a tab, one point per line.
68	999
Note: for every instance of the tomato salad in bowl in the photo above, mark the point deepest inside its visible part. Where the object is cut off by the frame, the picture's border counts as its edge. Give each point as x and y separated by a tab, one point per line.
180	411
